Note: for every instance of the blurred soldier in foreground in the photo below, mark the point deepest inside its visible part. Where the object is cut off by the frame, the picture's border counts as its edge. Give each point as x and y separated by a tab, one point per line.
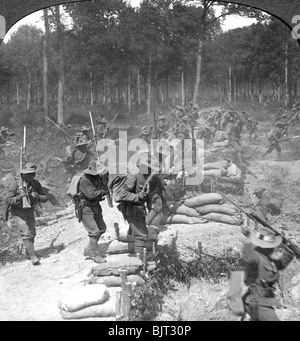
21	201
261	272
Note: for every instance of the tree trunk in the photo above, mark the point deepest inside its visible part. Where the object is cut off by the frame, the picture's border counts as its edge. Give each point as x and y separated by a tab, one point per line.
45	61
29	90
198	72
129	89
91	89
61	80
230	97
139	86
149	85
182	89
18	94
288	80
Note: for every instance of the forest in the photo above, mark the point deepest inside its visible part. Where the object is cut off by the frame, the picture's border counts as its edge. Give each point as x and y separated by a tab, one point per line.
117	58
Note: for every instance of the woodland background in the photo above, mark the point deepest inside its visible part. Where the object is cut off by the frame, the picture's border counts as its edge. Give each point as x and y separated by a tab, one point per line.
117	58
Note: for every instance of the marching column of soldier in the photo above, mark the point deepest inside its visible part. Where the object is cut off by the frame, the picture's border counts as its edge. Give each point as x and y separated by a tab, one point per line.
142	200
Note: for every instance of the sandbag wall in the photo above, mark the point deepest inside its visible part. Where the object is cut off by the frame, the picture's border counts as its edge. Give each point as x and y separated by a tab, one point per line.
203	208
96	299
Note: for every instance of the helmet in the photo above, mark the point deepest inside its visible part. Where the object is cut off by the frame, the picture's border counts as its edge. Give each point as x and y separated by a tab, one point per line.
82	141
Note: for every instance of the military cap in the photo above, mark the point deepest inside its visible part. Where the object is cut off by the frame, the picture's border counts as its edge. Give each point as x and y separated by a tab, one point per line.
185	118
265	238
95	168
85	128
103	120
4	129
145	130
162	117
29	169
258	190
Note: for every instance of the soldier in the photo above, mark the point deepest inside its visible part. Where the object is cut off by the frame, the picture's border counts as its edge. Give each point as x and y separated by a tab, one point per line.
21	201
92	191
85	131
162	125
261	207
182	128
145	135
274	137
133	204
261	272
80	157
234	131
101	128
152	132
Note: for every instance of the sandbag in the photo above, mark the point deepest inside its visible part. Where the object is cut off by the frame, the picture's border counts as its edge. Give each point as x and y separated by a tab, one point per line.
178	208
183	219
204	199
216	165
117	247
216	173
106	309
131	264
224	209
114	281
223	218
84	297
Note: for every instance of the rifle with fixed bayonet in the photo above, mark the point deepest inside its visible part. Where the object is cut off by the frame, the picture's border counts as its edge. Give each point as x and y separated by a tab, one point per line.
58	127
293	247
108	196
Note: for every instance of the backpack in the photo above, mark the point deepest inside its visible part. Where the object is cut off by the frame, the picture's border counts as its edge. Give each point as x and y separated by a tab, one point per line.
116	187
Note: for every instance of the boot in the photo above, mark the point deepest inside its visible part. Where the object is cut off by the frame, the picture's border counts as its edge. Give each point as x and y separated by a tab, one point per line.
30	251
92	251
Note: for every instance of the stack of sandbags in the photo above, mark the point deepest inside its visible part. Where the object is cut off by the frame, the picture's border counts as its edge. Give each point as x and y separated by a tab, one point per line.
87	302
216	165
124	242
109	273
215	169
211	206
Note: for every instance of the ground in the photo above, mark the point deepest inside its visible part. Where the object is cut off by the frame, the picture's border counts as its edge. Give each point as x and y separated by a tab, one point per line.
32	293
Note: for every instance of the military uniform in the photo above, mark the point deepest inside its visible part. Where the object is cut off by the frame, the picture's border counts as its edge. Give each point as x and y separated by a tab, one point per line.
92	191
162	126
261	207
145	135
21	215
81	156
261	274
234	131
275	135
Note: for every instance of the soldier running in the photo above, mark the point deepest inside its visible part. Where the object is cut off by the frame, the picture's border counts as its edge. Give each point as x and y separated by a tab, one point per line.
274	138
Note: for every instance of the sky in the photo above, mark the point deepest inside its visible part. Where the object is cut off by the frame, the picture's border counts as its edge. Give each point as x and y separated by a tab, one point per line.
36	19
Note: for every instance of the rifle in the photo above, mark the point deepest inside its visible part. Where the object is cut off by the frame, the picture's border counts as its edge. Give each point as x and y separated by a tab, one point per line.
59	128
111	122
22	185
292	247
109	198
